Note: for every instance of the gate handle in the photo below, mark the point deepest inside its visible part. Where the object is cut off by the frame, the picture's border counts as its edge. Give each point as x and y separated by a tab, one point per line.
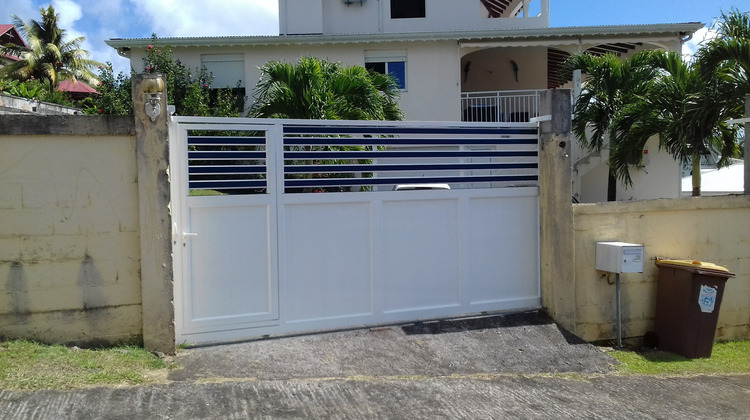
185	234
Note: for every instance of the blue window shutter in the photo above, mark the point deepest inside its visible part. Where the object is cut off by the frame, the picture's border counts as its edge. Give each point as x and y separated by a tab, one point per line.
398	70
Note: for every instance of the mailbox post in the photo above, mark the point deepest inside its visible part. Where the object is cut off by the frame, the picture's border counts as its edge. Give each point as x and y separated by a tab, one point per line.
619	257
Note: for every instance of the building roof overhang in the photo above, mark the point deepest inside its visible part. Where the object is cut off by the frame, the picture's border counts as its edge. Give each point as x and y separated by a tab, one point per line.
10	35
483	38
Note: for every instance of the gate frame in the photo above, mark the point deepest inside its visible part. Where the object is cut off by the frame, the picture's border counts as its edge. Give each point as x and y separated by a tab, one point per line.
275	130
556	252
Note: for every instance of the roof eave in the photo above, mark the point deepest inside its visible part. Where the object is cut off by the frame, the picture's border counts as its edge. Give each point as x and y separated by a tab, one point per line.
670	29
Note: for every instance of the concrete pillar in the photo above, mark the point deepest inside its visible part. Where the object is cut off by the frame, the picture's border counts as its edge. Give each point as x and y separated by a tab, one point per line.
577	84
157	287
545	11
556	212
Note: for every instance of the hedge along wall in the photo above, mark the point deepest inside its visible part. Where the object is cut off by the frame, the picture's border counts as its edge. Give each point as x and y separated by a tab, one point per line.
69	229
711	229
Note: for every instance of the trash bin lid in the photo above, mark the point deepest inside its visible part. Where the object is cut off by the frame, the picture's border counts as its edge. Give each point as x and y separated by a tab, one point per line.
699	267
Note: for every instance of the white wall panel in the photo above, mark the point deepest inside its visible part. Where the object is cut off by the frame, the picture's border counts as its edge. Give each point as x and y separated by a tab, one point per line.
499	228
327	253
420	254
230	259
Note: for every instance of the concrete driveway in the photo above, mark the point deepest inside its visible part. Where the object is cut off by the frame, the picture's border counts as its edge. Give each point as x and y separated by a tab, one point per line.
513	366
516	343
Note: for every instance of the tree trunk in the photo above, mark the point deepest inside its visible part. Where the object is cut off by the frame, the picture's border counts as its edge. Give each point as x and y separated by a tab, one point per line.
611	186
696	174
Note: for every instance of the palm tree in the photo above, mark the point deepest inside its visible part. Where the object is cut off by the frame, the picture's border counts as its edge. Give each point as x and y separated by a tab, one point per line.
654	93
611	84
318	89
677	105
726	60
48	56
732	44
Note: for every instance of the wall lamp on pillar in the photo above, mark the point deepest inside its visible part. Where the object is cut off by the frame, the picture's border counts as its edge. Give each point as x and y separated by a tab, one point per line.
153	86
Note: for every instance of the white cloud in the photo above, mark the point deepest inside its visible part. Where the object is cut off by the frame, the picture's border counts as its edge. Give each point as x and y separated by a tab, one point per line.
110	15
23	8
701	35
69	11
103	19
196	18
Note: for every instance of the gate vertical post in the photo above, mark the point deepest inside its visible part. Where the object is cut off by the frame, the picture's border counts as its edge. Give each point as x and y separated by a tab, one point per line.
557	240
152	146
747	146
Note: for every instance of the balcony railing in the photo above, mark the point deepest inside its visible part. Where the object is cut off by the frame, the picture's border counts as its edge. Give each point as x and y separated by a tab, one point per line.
500	106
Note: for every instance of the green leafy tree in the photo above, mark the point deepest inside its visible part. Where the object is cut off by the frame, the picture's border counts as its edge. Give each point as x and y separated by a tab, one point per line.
189	92
610	85
654	93
726	60
678	107
35	89
113	97
731	47
322	90
49	56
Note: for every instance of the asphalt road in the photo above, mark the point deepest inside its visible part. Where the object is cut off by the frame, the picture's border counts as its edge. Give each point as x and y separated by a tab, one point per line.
490	368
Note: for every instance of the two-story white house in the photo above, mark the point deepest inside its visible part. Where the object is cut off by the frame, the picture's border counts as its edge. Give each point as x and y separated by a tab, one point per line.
470	60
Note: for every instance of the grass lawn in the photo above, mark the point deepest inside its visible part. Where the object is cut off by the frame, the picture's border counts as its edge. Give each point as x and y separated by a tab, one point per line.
29	366
726	358
25	365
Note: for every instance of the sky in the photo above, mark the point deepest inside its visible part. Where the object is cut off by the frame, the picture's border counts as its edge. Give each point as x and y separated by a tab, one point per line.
100	20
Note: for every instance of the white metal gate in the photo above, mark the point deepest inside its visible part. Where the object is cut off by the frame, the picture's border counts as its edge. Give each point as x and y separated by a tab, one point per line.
306	231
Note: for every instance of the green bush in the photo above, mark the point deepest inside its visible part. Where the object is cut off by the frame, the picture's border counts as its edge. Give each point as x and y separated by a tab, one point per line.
34	89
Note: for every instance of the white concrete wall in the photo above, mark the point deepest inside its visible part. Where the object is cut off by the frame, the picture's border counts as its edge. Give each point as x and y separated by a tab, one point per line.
300	17
593	185
660	177
491	69
14	105
444	15
373	16
355	18
433	80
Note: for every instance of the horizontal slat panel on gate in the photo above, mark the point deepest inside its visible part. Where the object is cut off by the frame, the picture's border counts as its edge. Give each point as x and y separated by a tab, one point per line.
231	164
362	157
304	141
380	129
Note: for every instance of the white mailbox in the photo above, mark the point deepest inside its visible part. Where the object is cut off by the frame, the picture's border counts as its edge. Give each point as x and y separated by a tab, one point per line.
619	257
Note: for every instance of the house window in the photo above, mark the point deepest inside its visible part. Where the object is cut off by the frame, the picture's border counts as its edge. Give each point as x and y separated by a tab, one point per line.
406	9
388	62
228	71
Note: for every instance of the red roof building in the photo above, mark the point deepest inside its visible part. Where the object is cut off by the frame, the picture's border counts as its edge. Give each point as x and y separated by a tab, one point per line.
9	35
78	90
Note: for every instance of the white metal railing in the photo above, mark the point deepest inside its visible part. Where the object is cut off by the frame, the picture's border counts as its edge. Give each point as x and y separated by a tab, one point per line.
500	106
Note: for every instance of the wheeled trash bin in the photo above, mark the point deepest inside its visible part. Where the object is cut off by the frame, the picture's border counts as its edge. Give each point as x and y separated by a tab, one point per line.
688	298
